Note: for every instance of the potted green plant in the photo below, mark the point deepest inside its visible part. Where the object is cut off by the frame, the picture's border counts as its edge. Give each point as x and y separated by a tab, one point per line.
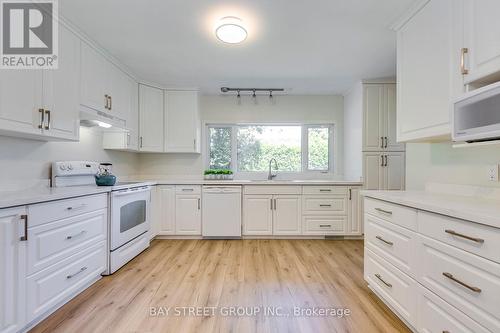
221	174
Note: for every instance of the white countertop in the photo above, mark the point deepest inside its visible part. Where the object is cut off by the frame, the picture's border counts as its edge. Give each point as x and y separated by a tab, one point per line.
32	195
472	208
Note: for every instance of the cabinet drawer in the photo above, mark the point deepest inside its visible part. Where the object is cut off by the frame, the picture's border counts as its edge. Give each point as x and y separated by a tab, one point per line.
56	210
472	237
60	282
391	242
272	189
397	214
435	315
324	205
188	189
326	190
52	242
393	286
466	281
324	225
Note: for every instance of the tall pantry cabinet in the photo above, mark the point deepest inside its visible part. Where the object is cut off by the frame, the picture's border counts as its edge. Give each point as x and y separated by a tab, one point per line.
370	130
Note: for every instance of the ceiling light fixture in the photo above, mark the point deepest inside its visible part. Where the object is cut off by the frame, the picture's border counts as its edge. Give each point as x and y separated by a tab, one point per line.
230	30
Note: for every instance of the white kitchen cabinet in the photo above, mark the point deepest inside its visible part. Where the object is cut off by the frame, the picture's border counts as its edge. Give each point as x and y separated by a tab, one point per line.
188	214
481	30
428	68
61	90
151	120
40	104
384	171
182	122
95	87
354	220
379	118
12	270
258	215
287	215
167	211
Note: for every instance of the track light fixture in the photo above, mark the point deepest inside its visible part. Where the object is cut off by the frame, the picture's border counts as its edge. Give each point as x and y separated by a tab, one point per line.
252	90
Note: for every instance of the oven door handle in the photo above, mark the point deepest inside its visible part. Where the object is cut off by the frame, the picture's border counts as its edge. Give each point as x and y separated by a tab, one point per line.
131	191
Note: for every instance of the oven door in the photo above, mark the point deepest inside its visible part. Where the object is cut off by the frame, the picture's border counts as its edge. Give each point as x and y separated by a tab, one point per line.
129	215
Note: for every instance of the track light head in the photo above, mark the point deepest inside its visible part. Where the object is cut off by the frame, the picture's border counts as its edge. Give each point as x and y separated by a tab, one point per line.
224	89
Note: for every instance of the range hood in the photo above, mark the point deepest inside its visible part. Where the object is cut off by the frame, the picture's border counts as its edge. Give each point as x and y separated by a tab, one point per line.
92	118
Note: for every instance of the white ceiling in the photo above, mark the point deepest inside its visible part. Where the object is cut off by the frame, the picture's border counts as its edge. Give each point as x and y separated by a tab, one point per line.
306	46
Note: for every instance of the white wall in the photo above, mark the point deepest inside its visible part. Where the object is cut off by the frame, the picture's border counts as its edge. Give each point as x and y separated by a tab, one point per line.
218	108
441	163
27	160
353	133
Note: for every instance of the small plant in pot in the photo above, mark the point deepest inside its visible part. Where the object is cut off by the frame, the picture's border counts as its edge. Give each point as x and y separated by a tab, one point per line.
219	174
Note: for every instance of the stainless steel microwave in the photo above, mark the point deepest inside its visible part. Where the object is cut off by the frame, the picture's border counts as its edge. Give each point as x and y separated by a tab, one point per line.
476	115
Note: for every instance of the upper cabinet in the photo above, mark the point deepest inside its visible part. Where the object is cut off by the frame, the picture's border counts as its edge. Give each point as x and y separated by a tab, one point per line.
482	43
379	118
182	122
43	104
151	119
429	46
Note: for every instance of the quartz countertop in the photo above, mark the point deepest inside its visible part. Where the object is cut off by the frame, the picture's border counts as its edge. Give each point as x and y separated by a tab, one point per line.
472	208
257	182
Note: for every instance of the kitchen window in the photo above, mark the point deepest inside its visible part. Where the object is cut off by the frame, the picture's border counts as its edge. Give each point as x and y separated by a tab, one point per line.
247	148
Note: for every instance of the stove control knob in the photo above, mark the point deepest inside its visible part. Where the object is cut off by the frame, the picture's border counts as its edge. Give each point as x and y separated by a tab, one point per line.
70	167
62	167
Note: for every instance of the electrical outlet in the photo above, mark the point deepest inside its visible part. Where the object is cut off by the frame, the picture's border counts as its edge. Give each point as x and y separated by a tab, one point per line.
493	173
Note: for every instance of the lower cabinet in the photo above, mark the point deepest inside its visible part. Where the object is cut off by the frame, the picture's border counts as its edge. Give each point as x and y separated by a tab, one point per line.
384	171
258	215
12	270
287	215
188	214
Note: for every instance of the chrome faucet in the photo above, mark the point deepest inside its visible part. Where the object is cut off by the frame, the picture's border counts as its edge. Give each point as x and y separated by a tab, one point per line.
271	175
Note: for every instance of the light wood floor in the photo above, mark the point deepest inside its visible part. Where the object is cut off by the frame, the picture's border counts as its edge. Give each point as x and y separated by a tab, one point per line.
230	273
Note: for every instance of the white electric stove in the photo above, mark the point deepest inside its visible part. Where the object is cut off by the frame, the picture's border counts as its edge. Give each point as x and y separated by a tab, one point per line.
129	210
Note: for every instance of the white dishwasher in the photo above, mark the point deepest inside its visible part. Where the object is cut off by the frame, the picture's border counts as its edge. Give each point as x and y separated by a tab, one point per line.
221	212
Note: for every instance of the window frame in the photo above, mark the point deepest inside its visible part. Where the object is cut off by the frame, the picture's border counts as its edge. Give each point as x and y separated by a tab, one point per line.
284	175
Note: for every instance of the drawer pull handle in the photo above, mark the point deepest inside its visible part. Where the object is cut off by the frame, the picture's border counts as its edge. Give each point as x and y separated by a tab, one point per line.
76	207
83	269
385	241
325	205
325	225
187	190
384	211
454	279
81	233
474	239
383	281
325	190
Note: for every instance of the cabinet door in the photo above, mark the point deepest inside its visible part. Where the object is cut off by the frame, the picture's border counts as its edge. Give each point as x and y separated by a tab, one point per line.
373	117
151	119
354	214
132	118
95	81
257	215
428	71
482	28
167	211
373	172
287	215
12	271
390	120
120	103
61	90
394	171
181	107
20	101
188	214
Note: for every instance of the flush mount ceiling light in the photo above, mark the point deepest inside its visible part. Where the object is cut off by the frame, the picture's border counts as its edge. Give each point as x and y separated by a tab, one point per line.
230	30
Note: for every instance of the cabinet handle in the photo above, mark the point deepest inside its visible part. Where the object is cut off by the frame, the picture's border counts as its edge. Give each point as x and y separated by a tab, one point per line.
47	127
454	279
194	144
386	142
187	189
81	233
463	52
385	157
325	190
106	102
199	203
140	139
474	239
383	211
271	204
381	142
383	240
325	225
42	118
378	276
350	194
275	204
110	102
381	160
325	205
24	218
83	269
128	139
76	207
